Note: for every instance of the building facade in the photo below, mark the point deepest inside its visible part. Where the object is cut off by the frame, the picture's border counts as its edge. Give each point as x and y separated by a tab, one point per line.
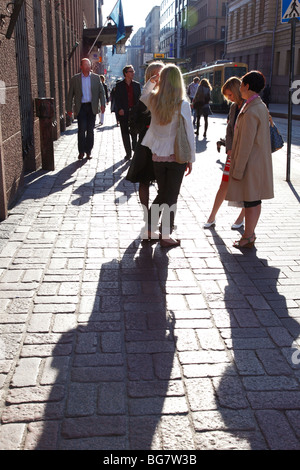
205	31
37	61
256	36
152	30
167	28
136	54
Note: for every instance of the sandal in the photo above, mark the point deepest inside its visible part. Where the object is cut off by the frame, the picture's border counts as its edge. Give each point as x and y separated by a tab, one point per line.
169	242
249	244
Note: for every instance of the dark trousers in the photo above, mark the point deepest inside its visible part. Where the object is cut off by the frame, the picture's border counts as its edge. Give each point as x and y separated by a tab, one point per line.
86	123
126	136
169	177
205	117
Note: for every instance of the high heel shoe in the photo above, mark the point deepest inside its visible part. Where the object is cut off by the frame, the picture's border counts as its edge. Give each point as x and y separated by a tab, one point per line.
249	244
209	224
237	226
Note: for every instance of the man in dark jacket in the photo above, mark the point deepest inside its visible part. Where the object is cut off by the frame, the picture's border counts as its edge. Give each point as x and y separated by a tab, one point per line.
127	95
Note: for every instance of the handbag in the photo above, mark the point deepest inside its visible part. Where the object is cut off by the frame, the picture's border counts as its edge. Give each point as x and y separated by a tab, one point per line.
277	141
182	149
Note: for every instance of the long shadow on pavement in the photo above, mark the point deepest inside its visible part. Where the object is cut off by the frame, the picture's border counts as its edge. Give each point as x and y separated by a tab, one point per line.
103	181
114	387
258	394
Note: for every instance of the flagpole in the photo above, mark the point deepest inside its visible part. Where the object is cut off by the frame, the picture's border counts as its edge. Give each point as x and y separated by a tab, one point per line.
102	28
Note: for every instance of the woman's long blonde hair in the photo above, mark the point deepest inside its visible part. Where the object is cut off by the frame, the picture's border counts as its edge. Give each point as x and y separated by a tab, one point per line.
167	98
233	85
153	69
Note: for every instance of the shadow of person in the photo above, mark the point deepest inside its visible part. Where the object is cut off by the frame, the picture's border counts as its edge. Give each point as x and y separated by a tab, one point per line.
257	395
115	375
102	182
104	128
201	145
41	183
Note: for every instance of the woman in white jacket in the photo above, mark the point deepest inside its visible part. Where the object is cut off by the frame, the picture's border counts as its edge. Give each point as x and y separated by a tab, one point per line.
166	102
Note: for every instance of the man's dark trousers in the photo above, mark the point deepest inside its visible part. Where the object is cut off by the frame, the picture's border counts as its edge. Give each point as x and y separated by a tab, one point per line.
86	123
126	135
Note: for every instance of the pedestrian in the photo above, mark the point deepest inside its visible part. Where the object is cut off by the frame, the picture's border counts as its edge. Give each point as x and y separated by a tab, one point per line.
251	172
191	92
166	102
231	91
101	116
87	91
113	100
127	95
141	168
201	104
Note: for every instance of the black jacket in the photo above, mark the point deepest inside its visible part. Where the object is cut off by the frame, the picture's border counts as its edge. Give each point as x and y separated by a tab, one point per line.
121	97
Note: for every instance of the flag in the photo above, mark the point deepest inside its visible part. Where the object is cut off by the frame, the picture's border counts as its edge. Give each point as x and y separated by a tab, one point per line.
118	18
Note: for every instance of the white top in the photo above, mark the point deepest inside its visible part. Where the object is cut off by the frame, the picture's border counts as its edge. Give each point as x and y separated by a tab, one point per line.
192	89
86	89
160	138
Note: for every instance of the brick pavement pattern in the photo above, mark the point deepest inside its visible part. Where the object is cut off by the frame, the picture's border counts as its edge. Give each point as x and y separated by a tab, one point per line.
108	343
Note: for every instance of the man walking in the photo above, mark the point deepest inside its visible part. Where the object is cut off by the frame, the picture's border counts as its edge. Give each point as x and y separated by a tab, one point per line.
127	95
87	90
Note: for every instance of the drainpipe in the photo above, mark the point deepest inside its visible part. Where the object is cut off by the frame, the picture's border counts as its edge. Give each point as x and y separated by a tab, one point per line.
3	199
273	44
45	113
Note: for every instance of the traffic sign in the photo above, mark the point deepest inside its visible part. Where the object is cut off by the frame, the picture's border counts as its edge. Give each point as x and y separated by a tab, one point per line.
159	56
290	9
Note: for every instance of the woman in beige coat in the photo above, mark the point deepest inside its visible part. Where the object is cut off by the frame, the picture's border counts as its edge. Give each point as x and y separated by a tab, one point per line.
251	172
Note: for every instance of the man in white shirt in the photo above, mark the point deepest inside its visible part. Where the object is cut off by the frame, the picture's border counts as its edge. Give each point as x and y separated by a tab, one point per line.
87	90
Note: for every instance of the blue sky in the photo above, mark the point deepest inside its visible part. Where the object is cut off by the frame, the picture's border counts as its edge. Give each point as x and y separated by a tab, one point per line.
134	11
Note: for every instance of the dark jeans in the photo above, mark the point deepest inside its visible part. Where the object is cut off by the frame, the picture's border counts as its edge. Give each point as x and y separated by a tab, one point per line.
86	123
126	136
205	117
169	177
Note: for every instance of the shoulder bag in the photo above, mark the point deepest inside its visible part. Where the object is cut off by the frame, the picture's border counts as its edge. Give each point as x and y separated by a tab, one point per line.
277	141
182	149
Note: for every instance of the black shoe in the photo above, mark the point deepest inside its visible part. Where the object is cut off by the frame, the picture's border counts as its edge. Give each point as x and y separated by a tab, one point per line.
89	156
80	156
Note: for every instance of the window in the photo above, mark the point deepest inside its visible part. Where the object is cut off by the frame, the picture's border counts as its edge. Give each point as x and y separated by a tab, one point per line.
276	63
262	12
223	9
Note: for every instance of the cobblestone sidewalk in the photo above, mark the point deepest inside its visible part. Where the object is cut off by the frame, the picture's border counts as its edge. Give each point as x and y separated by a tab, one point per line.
108	343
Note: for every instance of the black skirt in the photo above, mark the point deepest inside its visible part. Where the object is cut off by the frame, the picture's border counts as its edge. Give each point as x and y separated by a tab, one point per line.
141	167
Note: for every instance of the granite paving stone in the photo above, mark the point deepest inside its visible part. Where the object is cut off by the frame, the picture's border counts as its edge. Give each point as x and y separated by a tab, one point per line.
110	343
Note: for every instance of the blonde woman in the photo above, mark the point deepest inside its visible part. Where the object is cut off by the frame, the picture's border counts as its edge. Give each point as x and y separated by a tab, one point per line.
201	104
141	168
231	91
165	102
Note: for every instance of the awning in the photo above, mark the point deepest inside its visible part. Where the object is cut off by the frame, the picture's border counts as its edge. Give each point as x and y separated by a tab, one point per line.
107	36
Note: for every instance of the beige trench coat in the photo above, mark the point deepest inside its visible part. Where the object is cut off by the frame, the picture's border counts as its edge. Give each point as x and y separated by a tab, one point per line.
251	159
